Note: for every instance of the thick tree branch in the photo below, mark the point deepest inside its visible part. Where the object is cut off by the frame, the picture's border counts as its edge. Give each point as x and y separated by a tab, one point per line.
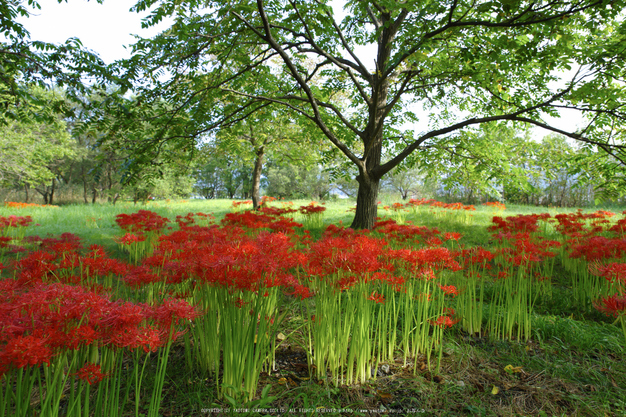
317	118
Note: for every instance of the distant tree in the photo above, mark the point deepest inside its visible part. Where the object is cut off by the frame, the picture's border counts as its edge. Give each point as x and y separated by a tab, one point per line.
298	182
33	153
260	136
222	174
408	181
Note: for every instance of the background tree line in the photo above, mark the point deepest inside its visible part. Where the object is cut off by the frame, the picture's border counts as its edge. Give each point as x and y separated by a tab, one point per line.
61	160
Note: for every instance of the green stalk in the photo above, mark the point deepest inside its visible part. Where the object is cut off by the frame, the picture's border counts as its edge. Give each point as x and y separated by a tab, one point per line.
157	389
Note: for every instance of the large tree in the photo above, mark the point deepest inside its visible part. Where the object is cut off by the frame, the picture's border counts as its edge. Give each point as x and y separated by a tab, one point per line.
359	72
261	135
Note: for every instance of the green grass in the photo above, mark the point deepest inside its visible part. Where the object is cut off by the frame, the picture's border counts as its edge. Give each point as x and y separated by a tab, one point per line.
572	366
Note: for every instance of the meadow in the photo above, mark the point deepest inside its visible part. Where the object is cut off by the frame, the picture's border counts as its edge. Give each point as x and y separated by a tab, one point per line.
205	308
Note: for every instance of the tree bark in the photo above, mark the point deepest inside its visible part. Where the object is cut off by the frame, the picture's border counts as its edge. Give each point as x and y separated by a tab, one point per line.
85	187
26	187
256	178
52	191
366	203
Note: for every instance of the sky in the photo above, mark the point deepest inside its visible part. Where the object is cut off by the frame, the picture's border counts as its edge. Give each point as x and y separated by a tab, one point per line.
103	28
109	27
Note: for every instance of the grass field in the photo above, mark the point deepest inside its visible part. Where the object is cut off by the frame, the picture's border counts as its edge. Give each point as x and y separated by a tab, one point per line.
569	363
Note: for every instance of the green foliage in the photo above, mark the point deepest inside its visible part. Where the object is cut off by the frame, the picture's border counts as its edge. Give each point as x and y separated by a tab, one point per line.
298	182
221	174
27	63
496	61
31	153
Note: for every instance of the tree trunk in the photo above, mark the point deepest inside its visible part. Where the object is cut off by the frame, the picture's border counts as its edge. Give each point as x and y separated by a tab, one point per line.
110	186
256	178
52	191
366	203
85	187
26	187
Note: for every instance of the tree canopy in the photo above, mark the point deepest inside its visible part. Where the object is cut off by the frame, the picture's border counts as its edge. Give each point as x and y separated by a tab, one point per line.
360	72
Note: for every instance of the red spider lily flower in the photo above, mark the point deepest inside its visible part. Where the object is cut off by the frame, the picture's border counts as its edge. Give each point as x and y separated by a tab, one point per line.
427	274
239	302
29	350
403	232
15	221
502	275
4	241
434	241
276	211
614	305
174	310
142	221
141	275
239	203
67	242
301	291
452	236
130	238
378	298
444	321
150	338
496	205
346	282
80	336
311	209
449	290
91	373
614	271
519	223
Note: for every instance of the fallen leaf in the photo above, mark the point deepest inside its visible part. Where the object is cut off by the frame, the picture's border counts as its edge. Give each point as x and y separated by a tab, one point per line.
495	390
385	397
513	369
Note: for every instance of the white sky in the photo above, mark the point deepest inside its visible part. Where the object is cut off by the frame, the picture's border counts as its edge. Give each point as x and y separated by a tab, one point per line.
103	28
109	27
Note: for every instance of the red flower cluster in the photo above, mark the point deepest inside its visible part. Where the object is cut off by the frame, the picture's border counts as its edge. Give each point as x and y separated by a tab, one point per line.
15	221
265	200
129	239
40	320
519	223
91	373
191	219
596	248
614	305
405	232
12	204
276	211
496	205
446	320
433	203
225	256
143	221
255	221
613	272
311	208
236	204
